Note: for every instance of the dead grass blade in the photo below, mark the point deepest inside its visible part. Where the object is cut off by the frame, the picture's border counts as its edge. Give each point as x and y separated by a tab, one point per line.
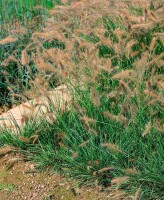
24	139
150	93
8	40
8	60
124	74
12	161
5	150
147	130
105	169
84	143
24	58
119	180
153	43
142	26
119	118
129	46
131	171
160	84
51	118
137	194
126	87
34	138
113	148
74	155
86	119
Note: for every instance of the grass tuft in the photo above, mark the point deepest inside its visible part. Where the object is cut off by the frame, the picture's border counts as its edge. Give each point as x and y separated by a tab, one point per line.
111	57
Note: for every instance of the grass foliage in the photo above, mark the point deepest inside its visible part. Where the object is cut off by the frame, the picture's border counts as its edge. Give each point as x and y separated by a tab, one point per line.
13	9
111	57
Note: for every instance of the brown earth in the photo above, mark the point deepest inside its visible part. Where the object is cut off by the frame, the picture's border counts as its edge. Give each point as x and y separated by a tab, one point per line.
20	180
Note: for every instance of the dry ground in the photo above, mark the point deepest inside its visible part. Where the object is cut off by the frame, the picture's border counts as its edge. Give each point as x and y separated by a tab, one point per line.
22	181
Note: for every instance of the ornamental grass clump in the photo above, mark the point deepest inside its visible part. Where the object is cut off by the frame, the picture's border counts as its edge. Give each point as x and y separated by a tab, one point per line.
110	55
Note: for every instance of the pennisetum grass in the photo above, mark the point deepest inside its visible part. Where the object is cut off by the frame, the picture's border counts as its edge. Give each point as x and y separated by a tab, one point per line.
111	57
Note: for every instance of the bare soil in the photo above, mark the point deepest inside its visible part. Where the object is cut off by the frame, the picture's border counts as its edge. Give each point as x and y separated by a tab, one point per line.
20	180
